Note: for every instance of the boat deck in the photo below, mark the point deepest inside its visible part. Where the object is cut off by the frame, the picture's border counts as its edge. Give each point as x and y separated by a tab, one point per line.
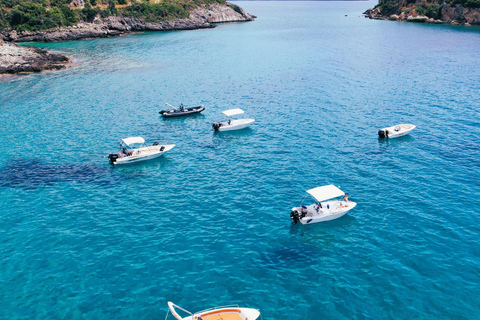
226	314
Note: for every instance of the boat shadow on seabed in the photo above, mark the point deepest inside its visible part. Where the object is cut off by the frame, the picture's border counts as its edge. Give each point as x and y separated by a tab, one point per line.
384	142
31	174
347	219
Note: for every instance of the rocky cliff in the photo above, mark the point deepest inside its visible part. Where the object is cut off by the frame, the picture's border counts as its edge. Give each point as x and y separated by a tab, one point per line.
204	16
16	59
463	12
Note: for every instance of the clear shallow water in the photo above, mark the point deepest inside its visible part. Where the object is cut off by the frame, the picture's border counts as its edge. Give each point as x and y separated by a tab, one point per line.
208	224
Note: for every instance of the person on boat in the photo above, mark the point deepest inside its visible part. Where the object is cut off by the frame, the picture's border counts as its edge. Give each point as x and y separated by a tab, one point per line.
125	151
181	107
229	121
345	200
303	209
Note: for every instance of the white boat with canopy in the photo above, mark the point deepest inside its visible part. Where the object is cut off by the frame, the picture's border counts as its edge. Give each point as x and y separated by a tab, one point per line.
399	130
133	149
231	312
232	124
322	210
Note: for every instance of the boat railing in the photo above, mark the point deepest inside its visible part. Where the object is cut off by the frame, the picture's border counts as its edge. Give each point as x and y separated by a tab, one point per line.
171	308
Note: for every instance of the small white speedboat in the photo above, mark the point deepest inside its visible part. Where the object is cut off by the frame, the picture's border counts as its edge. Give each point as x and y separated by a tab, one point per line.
232	124
133	149
322	210
232	312
399	130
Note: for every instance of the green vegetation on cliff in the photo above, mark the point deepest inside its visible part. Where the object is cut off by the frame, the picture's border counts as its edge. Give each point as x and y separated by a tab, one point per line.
33	15
430	8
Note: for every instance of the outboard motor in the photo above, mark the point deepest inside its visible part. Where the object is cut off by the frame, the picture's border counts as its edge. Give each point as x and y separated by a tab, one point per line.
113	157
216	126
383	133
296	216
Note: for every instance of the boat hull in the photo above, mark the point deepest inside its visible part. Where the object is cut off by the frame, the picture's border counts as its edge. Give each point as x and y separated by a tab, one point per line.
233	312
187	112
328	211
236	125
397	131
144	154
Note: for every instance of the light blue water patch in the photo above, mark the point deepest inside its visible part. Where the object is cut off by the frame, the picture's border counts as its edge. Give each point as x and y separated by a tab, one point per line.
208	224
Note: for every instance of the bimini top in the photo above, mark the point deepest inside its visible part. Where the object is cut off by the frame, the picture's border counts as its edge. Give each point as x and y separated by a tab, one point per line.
233	112
133	140
325	192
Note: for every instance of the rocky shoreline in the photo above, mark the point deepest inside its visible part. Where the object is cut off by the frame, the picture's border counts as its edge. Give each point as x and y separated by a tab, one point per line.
16	59
447	14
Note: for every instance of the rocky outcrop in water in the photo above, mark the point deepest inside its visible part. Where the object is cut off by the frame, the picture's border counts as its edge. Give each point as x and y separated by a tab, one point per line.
202	17
425	12
16	59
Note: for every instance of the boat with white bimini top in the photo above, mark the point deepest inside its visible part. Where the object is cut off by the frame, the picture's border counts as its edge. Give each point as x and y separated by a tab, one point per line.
180	111
323	210
232	124
133	149
231	312
399	130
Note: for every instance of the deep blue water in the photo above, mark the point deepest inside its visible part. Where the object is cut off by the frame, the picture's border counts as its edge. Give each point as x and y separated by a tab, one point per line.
208	224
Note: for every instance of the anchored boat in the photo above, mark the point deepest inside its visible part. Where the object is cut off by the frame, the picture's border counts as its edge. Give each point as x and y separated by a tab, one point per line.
231	125
322	210
399	130
180	111
133	149
232	312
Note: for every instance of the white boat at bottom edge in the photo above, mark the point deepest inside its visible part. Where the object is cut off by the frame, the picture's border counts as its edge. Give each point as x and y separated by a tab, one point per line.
322	211
232	312
396	131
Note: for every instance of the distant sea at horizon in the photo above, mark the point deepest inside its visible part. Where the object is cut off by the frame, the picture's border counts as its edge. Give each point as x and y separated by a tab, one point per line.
208	224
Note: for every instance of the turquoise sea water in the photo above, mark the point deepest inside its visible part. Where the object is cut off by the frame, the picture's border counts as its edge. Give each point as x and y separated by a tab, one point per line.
209	224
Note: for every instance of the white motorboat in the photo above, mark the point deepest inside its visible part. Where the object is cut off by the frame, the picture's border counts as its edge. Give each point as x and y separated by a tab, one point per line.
322	210
232	124
232	312
133	149
399	130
